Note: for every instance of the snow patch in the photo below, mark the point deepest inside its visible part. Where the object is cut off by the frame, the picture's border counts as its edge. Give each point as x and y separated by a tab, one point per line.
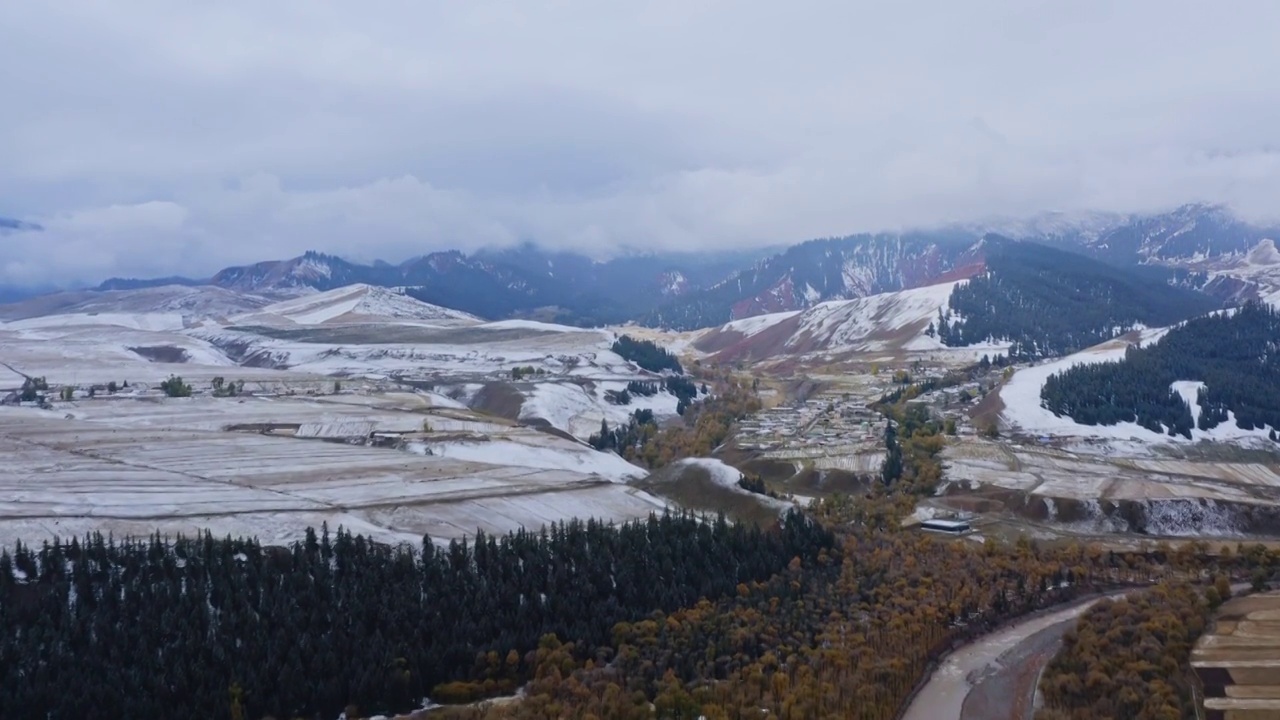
552	457
578	411
727	477
758	323
151	322
359	299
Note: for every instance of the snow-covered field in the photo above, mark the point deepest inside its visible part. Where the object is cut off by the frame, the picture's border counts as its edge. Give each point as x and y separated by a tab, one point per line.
535	450
325	376
1176	496
136	473
358	332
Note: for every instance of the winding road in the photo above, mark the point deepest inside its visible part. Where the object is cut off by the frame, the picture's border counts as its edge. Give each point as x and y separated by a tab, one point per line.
995	677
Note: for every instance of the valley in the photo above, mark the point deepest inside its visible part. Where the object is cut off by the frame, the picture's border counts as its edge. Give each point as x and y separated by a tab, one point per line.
350	408
839	435
367	408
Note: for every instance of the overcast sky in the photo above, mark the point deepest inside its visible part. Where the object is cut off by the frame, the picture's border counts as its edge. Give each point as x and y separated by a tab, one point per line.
160	136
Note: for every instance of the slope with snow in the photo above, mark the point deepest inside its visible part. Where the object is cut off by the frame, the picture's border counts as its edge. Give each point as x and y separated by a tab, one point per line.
579	409
543	452
1024	413
191	302
1234	277
355	303
726	476
69	477
885	323
430	350
870	323
150	322
96	349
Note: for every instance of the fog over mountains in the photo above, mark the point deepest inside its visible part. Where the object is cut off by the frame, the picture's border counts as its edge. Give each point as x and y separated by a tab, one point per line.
703	289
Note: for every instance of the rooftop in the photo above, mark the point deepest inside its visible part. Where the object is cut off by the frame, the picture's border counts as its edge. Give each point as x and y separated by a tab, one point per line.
1239	661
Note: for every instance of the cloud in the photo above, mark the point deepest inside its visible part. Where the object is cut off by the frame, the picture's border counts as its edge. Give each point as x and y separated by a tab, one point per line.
153	138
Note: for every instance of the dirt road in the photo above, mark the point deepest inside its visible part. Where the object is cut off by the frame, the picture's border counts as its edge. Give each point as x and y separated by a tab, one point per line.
994	677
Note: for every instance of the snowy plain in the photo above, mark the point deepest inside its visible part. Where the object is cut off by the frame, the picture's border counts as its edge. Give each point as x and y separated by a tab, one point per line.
325	375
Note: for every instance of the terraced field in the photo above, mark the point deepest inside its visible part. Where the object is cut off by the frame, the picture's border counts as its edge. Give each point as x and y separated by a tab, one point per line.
133	467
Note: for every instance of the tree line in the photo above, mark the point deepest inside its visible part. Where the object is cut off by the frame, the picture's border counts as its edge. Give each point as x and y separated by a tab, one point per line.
703	426
1234	354
218	628
844	636
646	354
1129	658
684	390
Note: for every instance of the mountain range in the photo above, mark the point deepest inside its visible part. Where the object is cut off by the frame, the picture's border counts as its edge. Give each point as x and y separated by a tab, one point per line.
695	290
524	281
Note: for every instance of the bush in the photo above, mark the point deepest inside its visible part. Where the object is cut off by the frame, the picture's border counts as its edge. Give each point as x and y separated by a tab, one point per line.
174	387
32	387
457	693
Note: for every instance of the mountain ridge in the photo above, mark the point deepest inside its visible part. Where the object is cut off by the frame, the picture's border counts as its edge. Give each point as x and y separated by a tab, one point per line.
696	290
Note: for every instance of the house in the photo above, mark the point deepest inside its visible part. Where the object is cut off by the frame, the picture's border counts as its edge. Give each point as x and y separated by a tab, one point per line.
950	527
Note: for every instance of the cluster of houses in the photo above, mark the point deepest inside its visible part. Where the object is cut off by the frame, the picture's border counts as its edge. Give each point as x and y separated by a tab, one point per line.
831	420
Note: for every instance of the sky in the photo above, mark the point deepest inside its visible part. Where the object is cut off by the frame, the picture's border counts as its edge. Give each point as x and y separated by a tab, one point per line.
152	137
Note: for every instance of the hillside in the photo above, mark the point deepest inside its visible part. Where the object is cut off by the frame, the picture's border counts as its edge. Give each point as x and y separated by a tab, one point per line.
1252	275
195	302
1208	372
822	270
355	303
893	322
1190	232
1049	302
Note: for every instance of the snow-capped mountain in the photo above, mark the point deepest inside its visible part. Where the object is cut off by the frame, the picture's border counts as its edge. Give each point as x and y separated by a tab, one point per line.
674	283
1188	234
832	269
310	271
525	281
1204	238
1253	275
1074	227
1028	299
698	290
891	322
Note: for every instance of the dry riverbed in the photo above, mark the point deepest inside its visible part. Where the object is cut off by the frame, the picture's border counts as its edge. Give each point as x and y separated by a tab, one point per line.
994	677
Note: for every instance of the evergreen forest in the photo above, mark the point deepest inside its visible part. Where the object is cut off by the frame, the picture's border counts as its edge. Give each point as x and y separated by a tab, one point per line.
1050	302
836	613
646	354
215	628
1234	354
